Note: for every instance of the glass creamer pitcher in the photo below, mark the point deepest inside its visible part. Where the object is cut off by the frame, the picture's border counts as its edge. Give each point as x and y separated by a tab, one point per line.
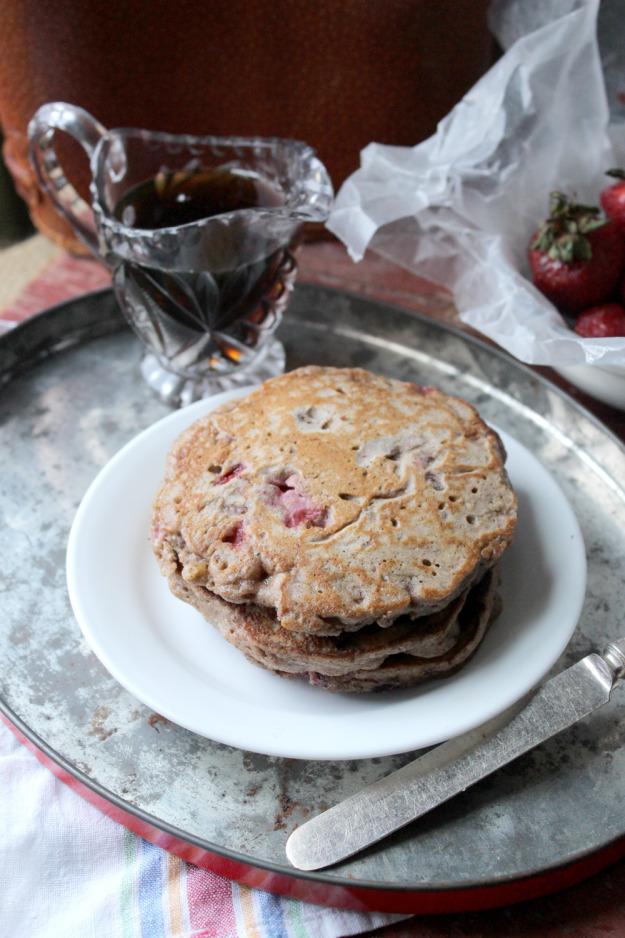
199	234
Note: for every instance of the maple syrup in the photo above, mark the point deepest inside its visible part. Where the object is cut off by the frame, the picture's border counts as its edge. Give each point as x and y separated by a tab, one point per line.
225	295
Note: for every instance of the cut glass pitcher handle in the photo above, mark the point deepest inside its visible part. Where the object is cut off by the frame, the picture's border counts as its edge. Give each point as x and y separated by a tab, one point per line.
80	125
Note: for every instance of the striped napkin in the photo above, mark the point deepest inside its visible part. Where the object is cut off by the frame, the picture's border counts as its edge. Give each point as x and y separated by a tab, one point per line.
67	871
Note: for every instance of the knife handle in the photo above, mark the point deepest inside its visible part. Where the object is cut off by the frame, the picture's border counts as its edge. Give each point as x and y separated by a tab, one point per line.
614	656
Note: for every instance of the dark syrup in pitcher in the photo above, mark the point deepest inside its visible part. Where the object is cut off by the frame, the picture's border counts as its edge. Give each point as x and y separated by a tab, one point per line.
177	198
219	309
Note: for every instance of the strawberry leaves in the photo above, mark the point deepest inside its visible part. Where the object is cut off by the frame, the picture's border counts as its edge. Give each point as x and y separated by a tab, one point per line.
562	236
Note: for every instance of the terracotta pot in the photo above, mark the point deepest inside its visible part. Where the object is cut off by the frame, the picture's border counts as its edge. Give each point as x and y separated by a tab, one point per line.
336	73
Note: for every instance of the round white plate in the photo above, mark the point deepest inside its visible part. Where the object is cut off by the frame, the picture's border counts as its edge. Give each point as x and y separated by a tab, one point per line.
164	652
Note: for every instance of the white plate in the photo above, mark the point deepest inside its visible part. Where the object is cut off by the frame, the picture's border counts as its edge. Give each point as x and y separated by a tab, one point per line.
164	653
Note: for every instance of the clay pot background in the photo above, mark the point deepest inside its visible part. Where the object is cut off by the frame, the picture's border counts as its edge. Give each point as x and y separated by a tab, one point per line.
335	73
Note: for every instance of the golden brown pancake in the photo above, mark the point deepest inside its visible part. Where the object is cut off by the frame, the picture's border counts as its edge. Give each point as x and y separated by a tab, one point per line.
334	499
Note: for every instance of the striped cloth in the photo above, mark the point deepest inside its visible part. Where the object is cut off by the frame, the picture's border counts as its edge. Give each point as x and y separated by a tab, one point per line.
67	871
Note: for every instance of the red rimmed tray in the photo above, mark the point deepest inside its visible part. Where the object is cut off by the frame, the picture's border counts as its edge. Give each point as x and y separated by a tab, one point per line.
73	396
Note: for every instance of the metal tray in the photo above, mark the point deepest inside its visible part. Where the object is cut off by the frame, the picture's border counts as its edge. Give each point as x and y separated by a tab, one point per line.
72	395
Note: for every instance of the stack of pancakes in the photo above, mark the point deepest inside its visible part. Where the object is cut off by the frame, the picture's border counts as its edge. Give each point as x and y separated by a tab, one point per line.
340	526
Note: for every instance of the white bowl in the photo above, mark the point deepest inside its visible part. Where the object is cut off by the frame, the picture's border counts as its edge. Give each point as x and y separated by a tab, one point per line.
605	382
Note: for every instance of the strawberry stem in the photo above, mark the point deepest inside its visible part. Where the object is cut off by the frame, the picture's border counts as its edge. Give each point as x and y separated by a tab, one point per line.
563	234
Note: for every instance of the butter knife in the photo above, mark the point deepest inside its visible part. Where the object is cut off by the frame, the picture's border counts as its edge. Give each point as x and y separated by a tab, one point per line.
407	794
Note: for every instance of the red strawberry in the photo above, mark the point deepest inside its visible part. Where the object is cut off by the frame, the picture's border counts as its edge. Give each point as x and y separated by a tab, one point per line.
613	199
576	256
599	322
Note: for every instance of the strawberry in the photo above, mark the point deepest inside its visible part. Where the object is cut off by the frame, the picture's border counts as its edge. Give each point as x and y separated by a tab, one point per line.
576	256
613	199
599	322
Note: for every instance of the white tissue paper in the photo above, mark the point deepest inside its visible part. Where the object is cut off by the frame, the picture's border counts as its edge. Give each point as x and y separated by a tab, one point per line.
460	208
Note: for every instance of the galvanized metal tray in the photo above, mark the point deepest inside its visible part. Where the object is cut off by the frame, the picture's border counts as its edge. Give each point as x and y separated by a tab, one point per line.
71	397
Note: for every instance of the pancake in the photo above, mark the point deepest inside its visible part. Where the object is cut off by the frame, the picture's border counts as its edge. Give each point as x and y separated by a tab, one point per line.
400	671
405	654
334	499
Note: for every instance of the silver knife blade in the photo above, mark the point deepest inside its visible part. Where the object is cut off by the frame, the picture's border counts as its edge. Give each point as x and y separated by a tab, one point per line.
407	794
